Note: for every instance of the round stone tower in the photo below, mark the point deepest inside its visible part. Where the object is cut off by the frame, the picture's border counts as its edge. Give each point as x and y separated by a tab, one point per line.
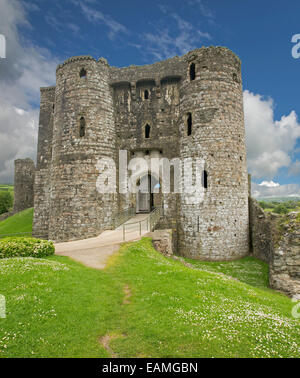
83	132
212	129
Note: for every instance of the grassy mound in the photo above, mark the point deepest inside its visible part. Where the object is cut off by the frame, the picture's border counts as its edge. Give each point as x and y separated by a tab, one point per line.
20	222
25	247
146	305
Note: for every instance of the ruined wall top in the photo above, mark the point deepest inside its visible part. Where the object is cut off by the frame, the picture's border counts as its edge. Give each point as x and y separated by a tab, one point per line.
212	58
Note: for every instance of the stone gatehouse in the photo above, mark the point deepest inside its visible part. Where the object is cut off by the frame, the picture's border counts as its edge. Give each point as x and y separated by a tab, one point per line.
183	107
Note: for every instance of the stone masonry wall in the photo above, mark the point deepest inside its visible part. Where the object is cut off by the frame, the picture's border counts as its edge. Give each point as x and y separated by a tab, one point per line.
42	183
275	239
162	241
23	186
262	231
160	110
285	261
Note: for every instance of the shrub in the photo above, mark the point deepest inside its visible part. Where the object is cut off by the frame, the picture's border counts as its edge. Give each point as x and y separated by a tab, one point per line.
6	201
263	204
280	209
25	247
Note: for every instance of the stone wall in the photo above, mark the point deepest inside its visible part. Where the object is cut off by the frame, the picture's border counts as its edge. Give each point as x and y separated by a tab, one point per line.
275	239
162	241
6	215
263	231
42	185
285	261
159	109
23	185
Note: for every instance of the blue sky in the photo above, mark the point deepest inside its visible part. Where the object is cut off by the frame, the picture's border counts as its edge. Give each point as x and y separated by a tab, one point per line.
42	33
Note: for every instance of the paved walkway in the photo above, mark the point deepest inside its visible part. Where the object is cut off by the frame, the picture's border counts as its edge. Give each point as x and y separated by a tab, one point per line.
94	252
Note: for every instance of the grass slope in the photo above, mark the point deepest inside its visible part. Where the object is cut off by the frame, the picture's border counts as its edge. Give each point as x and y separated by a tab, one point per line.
248	270
150	306
20	222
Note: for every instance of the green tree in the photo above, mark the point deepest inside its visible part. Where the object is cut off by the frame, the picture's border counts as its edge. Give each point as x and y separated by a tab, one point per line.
263	204
6	201
280	209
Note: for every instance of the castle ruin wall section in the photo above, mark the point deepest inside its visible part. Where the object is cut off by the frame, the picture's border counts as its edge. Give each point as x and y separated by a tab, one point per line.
149	95
23	185
44	156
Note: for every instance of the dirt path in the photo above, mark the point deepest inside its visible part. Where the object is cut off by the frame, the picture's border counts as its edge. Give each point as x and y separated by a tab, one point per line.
94	252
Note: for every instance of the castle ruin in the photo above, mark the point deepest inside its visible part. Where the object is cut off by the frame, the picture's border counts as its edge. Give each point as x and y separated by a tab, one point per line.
183	107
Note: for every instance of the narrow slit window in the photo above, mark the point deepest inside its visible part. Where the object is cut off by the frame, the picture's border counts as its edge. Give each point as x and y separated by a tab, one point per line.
189	123
205	177
146	94
82	127
192	72
172	178
147	131
83	73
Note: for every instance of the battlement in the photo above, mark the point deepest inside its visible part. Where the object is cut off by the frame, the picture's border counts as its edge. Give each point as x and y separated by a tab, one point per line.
210	58
75	59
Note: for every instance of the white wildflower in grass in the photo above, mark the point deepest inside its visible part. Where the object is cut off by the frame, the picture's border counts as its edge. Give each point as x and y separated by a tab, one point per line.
56	307
22	265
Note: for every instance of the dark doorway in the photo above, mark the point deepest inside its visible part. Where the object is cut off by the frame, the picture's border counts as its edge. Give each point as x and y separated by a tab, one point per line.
145	195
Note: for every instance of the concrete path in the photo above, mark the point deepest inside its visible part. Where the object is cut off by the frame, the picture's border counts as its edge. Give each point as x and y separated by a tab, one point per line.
94	252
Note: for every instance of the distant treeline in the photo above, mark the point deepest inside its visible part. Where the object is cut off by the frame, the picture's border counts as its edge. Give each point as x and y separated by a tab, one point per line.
6	198
281	207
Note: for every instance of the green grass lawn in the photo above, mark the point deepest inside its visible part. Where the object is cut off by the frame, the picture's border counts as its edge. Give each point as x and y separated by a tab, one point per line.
151	306
20	222
248	269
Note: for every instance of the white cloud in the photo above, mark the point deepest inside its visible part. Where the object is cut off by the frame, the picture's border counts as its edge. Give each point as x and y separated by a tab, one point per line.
60	24
95	16
26	69
270	143
288	190
206	12
269	184
164	43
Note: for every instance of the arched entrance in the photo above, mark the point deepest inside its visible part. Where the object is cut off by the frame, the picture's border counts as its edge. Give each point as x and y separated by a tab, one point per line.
147	186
